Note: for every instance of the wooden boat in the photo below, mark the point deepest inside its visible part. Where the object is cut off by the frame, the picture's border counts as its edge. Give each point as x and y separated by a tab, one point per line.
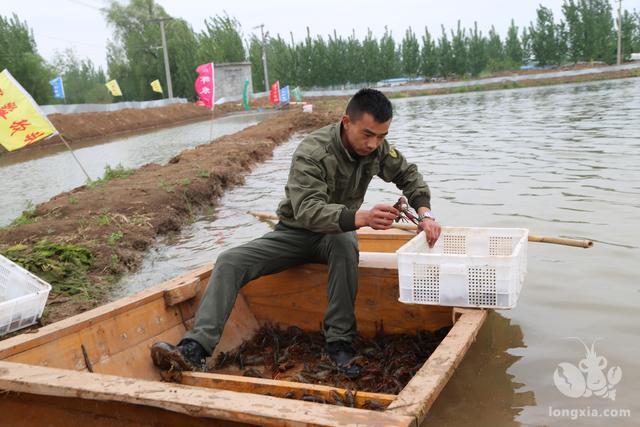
94	368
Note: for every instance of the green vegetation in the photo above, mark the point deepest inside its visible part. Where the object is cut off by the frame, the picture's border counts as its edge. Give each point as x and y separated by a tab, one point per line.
115	237
64	266
19	54
103	219
111	173
83	83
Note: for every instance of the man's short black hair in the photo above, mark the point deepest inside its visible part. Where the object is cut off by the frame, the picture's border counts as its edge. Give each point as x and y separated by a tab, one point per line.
370	101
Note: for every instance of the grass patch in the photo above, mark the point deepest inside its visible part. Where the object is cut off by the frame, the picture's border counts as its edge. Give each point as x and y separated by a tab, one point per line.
65	267
111	173
115	237
73	200
103	219
28	215
203	173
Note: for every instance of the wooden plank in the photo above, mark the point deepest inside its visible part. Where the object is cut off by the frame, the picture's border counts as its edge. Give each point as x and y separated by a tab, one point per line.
181	292
212	403
31	410
298	296
278	388
135	362
423	389
104	338
390	240
73	324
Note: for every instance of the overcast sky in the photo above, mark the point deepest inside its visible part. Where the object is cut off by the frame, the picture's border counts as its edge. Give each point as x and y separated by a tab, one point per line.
58	24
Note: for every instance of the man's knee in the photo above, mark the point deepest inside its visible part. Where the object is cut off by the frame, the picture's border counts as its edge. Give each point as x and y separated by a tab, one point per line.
230	257
343	245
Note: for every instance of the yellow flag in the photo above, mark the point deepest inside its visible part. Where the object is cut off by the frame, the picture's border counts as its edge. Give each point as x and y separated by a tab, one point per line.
21	120
114	88
156	86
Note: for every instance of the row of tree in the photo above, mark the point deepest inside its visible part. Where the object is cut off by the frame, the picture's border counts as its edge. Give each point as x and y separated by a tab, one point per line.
587	32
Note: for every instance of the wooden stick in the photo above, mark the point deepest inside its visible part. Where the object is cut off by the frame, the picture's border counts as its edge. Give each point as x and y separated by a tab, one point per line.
278	388
560	241
268	216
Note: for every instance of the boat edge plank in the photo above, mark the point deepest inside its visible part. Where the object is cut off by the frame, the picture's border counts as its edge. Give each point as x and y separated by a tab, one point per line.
417	397
210	403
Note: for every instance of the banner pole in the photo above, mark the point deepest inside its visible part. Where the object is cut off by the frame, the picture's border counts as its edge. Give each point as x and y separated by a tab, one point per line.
211	126
213	101
74	156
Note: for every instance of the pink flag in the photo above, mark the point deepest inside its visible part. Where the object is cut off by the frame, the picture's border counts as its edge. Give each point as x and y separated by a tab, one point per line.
204	84
274	95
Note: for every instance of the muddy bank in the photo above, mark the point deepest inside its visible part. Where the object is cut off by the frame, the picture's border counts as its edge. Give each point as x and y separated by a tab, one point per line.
92	235
83	127
612	75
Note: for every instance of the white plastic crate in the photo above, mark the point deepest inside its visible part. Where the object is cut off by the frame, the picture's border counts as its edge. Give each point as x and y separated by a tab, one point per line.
467	267
22	297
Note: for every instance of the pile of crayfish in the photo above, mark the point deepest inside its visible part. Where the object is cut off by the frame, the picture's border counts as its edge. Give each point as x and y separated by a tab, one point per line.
387	361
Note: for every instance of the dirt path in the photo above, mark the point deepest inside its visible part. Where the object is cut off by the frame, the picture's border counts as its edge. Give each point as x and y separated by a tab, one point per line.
90	236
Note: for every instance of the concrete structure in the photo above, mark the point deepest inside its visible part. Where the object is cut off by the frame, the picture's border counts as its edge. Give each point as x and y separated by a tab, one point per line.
635	56
230	77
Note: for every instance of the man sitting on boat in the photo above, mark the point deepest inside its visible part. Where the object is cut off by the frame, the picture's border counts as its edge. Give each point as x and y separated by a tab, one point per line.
330	172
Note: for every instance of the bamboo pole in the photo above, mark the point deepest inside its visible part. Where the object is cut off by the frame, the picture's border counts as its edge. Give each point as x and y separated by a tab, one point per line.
268	216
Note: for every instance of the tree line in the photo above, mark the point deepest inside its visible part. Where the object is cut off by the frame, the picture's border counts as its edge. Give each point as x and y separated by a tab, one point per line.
586	32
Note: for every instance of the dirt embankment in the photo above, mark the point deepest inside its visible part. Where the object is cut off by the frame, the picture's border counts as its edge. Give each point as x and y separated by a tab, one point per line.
114	222
82	127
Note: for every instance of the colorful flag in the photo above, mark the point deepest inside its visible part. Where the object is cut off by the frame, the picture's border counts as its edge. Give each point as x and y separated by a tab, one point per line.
204	84
245	95
21	120
284	95
156	86
297	95
114	88
58	88
274	95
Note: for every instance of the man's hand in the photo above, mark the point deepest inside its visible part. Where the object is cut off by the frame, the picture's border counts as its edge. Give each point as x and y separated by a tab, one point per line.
431	230
381	217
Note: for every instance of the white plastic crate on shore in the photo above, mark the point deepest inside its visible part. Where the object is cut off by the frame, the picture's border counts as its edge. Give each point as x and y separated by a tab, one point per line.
467	267
22	297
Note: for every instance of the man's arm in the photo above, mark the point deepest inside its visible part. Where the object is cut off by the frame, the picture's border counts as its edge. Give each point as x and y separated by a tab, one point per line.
308	192
395	168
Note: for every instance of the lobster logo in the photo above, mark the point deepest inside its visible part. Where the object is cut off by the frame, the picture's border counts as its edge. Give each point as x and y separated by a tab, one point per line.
588	378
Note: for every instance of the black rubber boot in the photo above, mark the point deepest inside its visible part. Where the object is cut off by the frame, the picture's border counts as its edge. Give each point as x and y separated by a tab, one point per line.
342	353
188	355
